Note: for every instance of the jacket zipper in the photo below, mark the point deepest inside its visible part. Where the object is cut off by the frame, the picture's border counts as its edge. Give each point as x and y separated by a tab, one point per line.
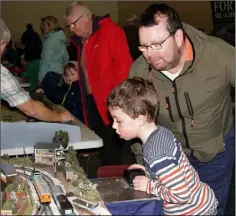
64	98
190	107
168	107
174	90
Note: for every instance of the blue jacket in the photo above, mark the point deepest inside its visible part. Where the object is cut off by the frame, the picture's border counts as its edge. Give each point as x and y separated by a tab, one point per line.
69	97
54	55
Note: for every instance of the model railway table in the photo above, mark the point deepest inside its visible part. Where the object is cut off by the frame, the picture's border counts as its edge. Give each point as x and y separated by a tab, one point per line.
88	139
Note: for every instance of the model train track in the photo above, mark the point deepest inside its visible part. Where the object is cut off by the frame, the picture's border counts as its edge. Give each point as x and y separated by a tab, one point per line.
40	211
46	178
23	174
47	210
43	209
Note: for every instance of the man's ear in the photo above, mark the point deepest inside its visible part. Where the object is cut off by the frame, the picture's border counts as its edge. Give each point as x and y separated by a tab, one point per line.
179	37
3	46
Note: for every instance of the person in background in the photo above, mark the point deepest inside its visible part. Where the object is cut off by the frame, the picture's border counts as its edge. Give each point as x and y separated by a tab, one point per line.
32	42
134	106
18	97
64	89
54	54
19	48
193	73
131	31
72	51
103	62
11	55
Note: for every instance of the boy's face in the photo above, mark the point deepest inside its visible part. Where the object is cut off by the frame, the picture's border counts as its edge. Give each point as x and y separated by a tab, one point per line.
124	125
70	76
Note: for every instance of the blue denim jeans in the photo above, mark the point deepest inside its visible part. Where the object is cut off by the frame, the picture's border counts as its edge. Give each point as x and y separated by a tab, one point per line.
217	172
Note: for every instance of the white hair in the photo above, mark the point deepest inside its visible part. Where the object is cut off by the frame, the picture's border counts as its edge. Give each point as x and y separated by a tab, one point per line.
77	8
5	33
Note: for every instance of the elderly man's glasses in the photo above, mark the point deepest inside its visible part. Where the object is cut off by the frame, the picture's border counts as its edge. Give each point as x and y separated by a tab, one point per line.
155	46
74	23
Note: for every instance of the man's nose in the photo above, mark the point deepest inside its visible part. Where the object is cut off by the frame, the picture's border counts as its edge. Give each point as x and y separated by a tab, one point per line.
150	52
114	125
72	29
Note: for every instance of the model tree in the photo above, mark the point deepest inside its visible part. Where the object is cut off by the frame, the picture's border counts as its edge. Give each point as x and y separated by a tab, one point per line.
71	158
62	138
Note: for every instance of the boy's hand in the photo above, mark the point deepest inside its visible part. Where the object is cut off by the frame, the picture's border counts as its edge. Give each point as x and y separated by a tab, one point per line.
137	166
140	183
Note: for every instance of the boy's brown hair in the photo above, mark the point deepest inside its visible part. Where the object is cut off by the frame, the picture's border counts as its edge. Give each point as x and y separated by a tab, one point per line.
135	96
68	67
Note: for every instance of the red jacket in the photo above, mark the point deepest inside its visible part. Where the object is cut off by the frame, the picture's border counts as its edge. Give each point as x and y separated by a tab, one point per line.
108	61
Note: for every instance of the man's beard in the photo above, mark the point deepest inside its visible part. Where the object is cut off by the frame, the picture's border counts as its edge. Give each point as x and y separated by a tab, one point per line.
171	64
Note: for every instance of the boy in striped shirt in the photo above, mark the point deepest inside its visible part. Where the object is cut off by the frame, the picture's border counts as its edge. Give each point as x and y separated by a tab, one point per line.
134	105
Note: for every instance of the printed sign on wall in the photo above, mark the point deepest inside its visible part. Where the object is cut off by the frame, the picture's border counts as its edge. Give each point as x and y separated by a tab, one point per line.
224	20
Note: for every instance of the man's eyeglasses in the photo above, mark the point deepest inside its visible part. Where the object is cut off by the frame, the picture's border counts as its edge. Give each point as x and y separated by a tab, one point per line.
74	23
156	46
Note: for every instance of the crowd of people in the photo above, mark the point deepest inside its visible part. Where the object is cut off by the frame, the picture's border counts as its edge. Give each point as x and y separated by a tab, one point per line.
158	79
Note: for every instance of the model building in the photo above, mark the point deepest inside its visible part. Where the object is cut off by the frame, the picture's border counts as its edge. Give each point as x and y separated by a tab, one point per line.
44	152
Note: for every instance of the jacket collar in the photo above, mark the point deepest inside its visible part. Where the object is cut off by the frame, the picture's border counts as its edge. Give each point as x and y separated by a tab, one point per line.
96	26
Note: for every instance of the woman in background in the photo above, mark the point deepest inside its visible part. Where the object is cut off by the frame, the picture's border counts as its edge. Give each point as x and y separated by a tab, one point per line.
54	55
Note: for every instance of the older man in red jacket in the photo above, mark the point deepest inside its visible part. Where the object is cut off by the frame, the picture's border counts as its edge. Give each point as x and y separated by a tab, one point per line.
105	60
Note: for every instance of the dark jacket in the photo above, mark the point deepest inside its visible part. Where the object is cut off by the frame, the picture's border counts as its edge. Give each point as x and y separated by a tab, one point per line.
200	94
131	32
33	45
59	92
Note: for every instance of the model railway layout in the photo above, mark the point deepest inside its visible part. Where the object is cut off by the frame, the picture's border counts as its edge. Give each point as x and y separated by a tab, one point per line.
47	191
41	187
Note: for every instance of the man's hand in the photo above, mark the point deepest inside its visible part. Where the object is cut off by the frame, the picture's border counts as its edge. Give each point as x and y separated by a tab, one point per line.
66	116
137	166
141	183
40	91
38	110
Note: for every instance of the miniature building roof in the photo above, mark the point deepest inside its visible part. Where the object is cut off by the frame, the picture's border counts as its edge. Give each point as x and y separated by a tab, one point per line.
8	169
43	145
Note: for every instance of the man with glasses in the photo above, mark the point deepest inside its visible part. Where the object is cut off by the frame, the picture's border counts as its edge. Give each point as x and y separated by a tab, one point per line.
193	73
105	61
18	97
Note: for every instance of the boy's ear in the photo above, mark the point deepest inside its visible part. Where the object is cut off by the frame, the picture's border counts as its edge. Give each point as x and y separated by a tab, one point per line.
141	120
